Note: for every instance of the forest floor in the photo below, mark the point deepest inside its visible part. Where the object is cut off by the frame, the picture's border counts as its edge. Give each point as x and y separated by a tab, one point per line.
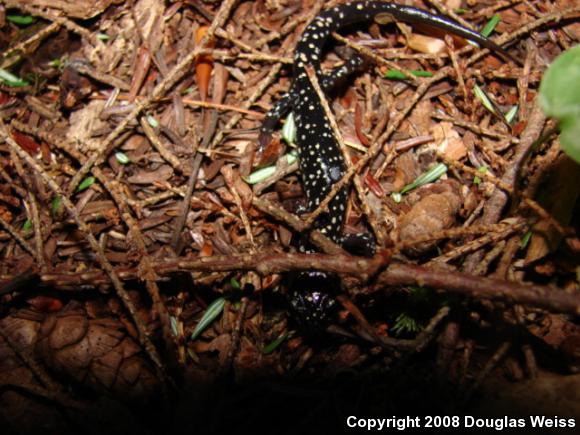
147	238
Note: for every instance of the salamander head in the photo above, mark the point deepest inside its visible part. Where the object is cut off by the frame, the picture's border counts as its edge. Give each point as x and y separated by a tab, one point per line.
312	300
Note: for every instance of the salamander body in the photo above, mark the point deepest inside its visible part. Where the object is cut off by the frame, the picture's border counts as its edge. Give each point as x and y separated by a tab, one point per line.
321	161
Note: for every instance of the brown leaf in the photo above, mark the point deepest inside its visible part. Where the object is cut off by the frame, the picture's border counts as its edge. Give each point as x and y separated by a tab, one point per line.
559	195
432	213
141	69
45	304
83	9
407	169
207	250
26	142
163	173
420	116
358	125
448	141
73	87
374	185
203	65
269	152
235	182
426	44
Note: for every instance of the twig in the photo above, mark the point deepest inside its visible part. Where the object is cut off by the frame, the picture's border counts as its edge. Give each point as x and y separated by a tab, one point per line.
481	287
427	334
450	233
356	180
229	175
100	255
378	59
478	287
16	235
497	233
236	335
102	77
475	128
159	146
198	103
489	366
455	63
446	11
486	12
30	362
320	240
49	15
281	171
37	225
31	41
146	272
168	82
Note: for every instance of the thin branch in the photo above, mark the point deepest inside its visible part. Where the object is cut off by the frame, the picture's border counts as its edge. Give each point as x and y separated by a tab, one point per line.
176	74
478	287
100	255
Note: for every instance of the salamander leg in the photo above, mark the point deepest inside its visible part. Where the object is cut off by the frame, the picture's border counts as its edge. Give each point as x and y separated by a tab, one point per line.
328	82
363	244
278	110
338	75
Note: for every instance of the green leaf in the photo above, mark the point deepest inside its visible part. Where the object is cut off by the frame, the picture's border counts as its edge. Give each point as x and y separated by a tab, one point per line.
289	129
479	93
55	205
27	225
397	197
569	138
263	173
122	158
406	323
560	98
211	313
173	323
152	121
393	74
235	283
490	26
526	239
56	63
11	80
86	183
427	177
481	170
22	20
103	36
509	117
269	348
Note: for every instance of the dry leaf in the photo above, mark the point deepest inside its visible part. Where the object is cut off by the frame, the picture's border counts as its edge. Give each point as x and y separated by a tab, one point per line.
560	194
203	65
448	141
426	44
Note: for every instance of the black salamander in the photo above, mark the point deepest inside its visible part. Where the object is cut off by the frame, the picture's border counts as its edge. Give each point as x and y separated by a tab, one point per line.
321	161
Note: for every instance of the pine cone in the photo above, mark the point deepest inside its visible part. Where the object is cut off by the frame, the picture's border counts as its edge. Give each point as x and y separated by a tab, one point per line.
97	353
